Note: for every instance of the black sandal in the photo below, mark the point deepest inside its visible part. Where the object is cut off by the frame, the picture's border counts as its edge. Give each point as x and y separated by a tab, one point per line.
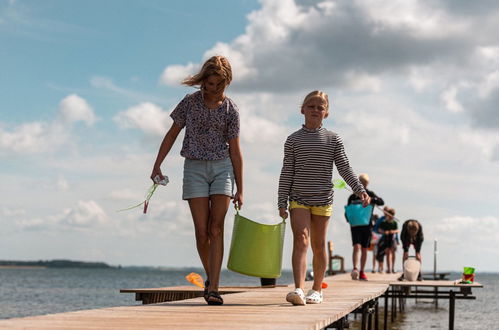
205	292
214	298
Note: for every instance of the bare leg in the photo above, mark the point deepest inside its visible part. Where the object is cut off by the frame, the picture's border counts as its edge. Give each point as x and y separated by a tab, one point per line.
363	258
356	255
218	210
318	231
388	252
200	211
300	224
374	260
394	250
381	266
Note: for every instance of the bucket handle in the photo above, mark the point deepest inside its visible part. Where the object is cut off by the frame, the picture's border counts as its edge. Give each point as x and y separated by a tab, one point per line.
237	213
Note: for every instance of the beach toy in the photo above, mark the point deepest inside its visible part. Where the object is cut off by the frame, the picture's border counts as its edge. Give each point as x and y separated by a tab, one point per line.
339	184
256	249
468	275
150	192
195	279
357	215
324	285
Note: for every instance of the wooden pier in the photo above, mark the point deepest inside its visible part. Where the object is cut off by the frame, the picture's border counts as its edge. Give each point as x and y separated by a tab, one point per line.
248	307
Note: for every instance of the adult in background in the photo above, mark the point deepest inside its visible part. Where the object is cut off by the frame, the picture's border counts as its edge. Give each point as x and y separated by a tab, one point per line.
412	233
361	235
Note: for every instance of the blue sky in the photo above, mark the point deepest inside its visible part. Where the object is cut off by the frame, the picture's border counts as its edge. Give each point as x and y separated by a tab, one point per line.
86	88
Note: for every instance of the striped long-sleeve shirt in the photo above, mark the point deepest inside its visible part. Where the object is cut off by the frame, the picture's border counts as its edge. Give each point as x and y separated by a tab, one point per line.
306	175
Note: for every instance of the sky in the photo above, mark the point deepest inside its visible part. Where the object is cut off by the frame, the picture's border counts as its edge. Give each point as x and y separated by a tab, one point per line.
86	89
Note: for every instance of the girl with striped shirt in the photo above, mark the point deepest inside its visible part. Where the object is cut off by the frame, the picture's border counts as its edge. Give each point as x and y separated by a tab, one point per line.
306	182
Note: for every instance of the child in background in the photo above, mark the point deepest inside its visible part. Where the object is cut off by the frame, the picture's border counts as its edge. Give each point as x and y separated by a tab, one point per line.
389	228
306	182
213	161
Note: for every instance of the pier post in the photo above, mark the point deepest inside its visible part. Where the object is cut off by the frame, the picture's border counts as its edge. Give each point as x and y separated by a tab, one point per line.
376	314
452	301
394	305
385	314
364	314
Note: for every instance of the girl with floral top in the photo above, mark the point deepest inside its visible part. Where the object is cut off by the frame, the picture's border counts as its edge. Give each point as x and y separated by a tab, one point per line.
306	183
213	161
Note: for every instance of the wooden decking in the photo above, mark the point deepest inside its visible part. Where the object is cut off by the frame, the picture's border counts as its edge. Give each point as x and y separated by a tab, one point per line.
262	308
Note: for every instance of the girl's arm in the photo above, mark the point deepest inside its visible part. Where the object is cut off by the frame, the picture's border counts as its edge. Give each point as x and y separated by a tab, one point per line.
346	172
164	149
286	179
237	164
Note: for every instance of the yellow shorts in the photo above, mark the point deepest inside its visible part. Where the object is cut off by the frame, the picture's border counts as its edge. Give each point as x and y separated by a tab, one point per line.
325	211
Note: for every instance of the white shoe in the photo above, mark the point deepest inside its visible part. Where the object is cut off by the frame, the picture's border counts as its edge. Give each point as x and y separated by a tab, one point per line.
314	297
296	297
355	274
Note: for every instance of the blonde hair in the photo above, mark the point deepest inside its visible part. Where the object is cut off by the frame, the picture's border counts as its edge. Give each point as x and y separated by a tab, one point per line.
215	65
412	229
364	179
313	94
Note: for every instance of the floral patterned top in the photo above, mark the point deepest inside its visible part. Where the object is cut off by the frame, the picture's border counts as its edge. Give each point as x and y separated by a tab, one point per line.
207	131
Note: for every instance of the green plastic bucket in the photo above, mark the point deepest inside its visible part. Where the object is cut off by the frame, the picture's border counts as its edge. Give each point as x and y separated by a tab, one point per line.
256	249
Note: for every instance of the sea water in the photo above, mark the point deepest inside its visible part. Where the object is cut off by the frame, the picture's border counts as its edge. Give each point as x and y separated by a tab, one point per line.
27	292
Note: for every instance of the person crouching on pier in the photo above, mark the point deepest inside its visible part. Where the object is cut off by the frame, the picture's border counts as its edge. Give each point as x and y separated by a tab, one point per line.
213	161
306	182
412	234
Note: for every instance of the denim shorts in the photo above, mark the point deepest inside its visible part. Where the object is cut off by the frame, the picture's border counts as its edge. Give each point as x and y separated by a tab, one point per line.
203	178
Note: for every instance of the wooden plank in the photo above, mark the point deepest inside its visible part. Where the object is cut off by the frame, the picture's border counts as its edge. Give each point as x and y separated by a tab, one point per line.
436	283
260	308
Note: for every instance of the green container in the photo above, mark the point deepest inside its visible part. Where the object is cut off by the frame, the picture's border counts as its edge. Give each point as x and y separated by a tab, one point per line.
256	249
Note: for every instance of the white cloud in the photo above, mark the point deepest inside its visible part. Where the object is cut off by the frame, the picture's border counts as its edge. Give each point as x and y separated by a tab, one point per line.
336	39
9	212
40	137
147	117
62	184
35	224
32	138
74	108
125	194
387	70
174	74
449	98
84	214
489	84
466	232
357	45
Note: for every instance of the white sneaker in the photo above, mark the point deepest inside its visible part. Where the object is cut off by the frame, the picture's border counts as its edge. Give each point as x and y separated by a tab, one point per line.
314	297
355	274
296	297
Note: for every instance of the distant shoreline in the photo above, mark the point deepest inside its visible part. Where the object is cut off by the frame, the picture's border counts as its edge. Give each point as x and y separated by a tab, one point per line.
57	263
22	267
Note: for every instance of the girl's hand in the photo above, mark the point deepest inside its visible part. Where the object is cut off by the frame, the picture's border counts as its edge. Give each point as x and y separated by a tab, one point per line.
238	200
156	171
283	213
366	200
